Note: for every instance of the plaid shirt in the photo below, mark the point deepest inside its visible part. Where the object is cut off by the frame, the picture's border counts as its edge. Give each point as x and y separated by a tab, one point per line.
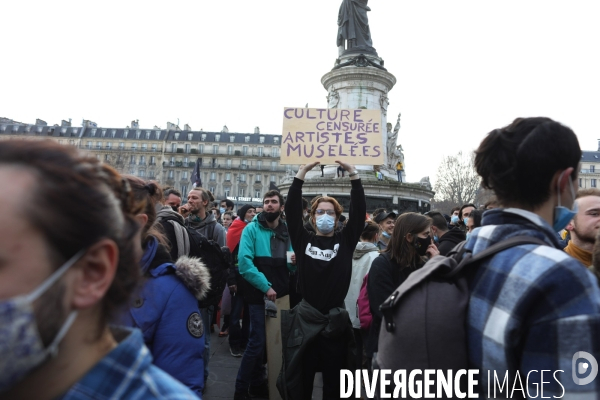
127	373
531	309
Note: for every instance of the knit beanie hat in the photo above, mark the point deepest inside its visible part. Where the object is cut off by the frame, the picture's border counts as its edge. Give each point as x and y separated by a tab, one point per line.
243	210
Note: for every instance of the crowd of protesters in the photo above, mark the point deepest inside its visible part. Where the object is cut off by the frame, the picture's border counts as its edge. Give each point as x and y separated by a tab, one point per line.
100	296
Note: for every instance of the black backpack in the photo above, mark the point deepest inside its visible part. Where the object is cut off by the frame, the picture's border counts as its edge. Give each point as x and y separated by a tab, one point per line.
430	308
216	258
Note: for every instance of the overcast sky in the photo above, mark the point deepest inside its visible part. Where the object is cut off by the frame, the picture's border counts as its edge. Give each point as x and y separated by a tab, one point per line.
463	67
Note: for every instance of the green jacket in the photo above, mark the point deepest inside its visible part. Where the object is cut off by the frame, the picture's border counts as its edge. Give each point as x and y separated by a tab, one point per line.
299	327
262	260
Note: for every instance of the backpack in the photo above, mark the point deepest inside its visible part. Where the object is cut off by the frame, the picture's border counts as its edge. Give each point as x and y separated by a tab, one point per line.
216	258
363	309
432	305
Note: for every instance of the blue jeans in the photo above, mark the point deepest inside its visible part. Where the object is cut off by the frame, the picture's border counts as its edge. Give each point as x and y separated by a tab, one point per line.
252	370
399	175
207	314
238	337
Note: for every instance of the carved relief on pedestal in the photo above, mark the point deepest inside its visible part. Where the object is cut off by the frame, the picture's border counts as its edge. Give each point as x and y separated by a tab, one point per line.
333	98
384	102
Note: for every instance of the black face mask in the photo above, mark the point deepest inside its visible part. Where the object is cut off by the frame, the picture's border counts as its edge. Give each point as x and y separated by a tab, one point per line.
175	208
421	244
271	216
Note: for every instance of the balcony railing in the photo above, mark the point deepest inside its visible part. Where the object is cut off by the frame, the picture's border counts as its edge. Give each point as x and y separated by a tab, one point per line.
130	149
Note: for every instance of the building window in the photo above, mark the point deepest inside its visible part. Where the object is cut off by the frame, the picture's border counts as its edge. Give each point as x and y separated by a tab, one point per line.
245	150
113	133
152	160
228	176
213	176
593	183
107	158
134	146
148	135
244	164
184	189
184	175
215	149
89	145
121	145
137	134
579	182
212	189
217	137
261	139
203	137
150	174
142	173
241	192
172	161
176	135
247	139
103	132
257	194
227	192
229	150
232	138
275	152
98	145
258	178
157	135
94	131
259	165
273	165
190	135
273	178
154	147
109	145
242	177
132	160
72	142
276	140
173	147
260	151
142	160
229	163
125	133
188	148
592	168
200	149
186	160
144	146
171	174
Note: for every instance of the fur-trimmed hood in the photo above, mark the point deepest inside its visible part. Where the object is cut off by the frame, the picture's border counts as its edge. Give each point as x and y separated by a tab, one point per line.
194	274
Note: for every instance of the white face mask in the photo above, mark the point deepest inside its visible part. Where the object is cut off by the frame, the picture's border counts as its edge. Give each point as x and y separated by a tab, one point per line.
325	223
21	347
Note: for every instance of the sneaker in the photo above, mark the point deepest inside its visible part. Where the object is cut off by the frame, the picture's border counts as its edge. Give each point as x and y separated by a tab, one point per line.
259	391
235	352
241	396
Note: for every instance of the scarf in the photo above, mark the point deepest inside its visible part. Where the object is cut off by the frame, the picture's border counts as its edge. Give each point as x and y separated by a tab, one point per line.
584	256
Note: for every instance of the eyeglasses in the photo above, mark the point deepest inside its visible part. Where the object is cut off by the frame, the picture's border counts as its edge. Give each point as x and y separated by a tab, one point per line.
322	212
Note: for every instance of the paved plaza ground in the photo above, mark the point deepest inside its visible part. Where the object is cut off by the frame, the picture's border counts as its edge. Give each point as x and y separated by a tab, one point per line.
224	368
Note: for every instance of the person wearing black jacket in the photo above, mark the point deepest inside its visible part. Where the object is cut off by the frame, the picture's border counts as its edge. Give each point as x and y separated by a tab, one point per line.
446	239
411	241
324	262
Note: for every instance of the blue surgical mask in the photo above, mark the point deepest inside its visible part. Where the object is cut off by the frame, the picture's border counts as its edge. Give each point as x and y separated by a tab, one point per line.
454	220
468	235
222	210
465	220
436	239
386	235
22	348
562	215
325	223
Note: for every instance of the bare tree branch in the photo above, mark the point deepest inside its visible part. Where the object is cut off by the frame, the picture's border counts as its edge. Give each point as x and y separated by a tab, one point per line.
457	181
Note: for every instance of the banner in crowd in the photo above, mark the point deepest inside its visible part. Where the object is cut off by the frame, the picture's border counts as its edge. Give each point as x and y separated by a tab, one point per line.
327	135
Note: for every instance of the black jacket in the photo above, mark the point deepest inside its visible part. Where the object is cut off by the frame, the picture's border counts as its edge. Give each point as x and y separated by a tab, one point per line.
450	239
385	276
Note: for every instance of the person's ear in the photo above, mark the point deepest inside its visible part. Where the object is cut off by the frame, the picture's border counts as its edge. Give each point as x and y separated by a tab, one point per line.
564	178
142	219
95	273
570	226
409	237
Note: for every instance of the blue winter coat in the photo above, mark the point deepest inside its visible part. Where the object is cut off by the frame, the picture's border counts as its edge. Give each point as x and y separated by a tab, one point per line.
166	311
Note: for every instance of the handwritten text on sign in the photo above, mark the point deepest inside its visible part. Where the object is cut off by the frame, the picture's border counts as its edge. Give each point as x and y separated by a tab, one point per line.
327	135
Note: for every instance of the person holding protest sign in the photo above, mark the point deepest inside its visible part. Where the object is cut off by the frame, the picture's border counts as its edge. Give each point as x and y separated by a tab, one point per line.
324	260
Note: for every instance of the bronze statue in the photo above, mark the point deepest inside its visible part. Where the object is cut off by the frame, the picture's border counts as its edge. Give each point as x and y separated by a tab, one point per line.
354	35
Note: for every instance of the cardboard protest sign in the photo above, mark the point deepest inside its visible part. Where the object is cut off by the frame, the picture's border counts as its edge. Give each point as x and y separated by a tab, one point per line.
327	135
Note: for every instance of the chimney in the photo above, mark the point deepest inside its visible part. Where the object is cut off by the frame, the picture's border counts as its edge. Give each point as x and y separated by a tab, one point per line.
135	124
598	144
41	122
257	130
225	129
187	127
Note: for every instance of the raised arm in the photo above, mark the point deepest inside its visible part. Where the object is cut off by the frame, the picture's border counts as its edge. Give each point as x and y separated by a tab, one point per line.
358	207
293	205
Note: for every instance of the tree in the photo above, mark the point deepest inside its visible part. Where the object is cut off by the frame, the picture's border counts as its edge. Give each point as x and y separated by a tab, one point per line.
457	182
